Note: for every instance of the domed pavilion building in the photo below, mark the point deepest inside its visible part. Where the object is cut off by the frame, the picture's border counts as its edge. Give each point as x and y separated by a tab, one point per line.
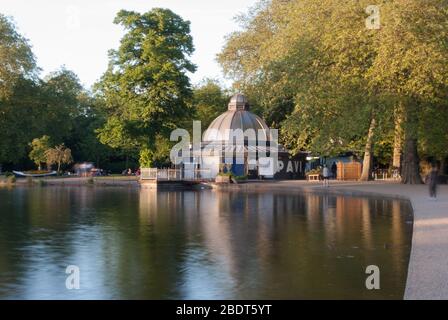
240	142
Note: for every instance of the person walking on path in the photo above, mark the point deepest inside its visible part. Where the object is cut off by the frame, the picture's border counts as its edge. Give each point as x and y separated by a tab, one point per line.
432	182
326	176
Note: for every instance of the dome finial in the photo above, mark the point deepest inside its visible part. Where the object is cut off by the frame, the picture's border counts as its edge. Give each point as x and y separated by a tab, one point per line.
238	102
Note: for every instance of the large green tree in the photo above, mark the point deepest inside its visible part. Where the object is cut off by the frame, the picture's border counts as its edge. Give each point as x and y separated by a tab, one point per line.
312	66
247	58
16	58
60	96
146	88
18	93
411	66
350	85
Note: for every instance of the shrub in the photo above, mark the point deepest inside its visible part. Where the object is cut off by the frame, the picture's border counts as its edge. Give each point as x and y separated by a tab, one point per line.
240	178
11	179
232	176
145	158
225	174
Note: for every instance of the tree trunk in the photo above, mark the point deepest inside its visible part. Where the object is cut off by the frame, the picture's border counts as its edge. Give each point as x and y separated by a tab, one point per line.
398	137
367	165
396	164
411	167
59	167
410	173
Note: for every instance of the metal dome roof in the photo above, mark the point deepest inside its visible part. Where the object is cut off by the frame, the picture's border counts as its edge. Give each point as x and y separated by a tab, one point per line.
236	117
238	102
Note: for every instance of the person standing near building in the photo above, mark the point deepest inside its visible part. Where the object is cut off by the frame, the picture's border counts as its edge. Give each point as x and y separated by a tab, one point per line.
326	176
431	179
334	170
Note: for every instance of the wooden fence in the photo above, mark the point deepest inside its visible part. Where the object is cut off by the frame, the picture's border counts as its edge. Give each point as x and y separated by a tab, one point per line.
349	170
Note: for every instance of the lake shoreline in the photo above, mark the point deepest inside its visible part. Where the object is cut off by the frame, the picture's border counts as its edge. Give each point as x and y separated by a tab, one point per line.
427	277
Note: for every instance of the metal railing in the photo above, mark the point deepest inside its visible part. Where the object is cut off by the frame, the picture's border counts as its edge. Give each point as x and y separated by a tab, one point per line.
161	174
386	175
174	174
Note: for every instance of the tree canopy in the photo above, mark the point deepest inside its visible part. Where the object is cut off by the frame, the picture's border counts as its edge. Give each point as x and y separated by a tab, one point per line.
312	69
39	147
146	88
336	84
17	59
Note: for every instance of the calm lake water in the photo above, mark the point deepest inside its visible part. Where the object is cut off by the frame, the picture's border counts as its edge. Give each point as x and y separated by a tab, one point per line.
141	244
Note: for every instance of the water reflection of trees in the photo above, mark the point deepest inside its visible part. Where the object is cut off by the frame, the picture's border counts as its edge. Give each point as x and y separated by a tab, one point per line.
251	245
133	243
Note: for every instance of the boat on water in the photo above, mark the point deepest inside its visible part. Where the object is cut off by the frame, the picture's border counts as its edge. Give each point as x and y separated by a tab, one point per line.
24	174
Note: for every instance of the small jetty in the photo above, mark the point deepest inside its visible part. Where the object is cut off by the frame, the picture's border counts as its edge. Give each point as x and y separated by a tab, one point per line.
154	178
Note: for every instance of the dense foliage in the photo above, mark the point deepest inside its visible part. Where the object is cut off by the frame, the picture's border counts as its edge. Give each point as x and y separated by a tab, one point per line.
146	89
142	96
335	84
311	68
